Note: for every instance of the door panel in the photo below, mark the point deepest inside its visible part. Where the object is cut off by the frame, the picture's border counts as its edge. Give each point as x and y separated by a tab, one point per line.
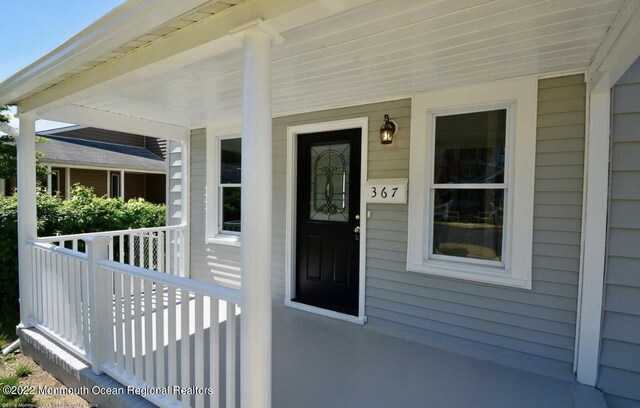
328	205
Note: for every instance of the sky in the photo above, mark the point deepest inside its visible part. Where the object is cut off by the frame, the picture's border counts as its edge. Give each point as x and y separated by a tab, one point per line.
31	28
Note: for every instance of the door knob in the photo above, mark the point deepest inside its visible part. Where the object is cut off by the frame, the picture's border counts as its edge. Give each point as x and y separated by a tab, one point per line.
356	230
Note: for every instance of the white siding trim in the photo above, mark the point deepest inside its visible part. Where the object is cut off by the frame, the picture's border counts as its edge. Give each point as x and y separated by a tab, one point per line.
290	231
594	233
522	92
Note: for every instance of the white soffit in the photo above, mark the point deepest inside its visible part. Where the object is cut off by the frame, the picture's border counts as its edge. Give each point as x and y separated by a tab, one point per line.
383	50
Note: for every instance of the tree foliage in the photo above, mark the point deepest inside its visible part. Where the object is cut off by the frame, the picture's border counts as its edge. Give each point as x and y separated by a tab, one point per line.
84	212
8	153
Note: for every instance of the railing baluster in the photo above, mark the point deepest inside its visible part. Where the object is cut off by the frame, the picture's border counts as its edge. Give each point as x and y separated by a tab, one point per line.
85	308
67	298
161	235
131	249
160	363
128	337
148	333
111	240
185	353
199	349
230	375
121	248
119	321
74	245
176	270
151	264
47	273
137	318
58	294
77	305
214	352
172	327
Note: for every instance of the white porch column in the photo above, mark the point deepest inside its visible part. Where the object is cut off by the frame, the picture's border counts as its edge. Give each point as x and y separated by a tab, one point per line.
67	182
27	211
49	180
255	346
594	234
2	187
122	185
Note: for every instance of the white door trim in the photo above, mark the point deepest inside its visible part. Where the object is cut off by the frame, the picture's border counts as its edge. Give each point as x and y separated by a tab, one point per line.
290	251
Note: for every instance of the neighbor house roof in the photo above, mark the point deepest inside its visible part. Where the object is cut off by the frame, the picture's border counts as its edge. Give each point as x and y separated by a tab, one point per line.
65	150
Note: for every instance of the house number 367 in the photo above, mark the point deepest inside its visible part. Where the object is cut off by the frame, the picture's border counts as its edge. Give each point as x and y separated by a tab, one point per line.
383	192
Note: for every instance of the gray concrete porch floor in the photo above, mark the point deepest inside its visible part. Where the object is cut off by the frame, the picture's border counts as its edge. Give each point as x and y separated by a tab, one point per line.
320	362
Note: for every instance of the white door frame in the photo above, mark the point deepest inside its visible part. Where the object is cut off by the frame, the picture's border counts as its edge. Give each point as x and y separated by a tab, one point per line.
290	250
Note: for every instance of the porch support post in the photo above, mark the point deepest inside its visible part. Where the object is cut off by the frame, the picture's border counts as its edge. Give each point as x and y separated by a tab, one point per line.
67	182
255	345
594	234
27	210
49	180
2	187
122	185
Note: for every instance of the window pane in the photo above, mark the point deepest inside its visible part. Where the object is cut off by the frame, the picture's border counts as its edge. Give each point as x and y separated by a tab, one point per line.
330	182
231	209
230	163
468	223
469	148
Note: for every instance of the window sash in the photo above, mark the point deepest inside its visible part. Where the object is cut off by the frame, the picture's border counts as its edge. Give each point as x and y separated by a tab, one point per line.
220	189
431	187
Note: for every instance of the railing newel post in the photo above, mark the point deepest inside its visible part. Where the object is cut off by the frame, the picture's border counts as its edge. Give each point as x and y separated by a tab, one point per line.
97	249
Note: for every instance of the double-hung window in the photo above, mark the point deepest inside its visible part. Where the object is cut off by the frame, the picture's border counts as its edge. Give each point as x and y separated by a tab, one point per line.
224	173
471	182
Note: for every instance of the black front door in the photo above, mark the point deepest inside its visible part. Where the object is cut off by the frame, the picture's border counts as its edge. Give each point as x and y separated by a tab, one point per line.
328	214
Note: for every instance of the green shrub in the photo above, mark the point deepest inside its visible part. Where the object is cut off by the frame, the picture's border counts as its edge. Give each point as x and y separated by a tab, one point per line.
23	370
83	212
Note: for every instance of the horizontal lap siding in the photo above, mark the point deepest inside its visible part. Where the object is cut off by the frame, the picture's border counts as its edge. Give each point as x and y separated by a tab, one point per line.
96	179
536	326
212	263
619	374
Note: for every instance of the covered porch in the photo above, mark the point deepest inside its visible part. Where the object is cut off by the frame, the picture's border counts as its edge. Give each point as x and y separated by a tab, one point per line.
125	302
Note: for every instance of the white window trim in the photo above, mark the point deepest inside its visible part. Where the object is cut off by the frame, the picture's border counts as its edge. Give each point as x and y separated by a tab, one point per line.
521	95
214	134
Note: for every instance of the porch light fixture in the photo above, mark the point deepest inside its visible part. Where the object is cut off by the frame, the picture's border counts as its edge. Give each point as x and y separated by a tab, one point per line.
388	130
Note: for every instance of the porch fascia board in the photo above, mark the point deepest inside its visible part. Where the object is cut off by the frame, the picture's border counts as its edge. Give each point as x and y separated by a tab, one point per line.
117	122
191	44
618	51
121	25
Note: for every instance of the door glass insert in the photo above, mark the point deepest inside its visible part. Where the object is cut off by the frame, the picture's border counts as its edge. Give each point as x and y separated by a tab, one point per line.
330	182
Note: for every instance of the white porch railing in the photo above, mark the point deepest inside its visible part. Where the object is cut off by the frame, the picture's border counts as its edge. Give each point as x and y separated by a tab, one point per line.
107	299
159	249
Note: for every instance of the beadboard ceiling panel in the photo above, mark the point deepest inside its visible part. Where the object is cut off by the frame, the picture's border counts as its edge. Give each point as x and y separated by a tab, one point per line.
386	49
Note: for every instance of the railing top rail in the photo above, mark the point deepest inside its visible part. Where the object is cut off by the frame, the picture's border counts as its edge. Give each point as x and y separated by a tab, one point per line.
59	250
54	238
177	282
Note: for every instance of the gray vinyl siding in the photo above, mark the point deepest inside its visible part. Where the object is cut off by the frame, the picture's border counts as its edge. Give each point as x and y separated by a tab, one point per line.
533	328
536	327
619	375
212	263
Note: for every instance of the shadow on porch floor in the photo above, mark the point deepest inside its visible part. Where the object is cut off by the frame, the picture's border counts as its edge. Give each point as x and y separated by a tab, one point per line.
319	362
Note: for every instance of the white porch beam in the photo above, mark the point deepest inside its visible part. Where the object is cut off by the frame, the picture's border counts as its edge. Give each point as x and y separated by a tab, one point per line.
618	51
27	212
117	122
594	235
255	343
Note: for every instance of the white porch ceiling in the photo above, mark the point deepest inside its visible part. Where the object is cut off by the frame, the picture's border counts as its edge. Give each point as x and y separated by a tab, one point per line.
384	50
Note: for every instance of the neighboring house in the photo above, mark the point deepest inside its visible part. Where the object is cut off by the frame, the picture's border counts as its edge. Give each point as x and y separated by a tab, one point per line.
114	164
500	223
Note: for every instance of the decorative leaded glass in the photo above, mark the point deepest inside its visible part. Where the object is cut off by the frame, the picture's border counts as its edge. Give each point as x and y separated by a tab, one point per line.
330	182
